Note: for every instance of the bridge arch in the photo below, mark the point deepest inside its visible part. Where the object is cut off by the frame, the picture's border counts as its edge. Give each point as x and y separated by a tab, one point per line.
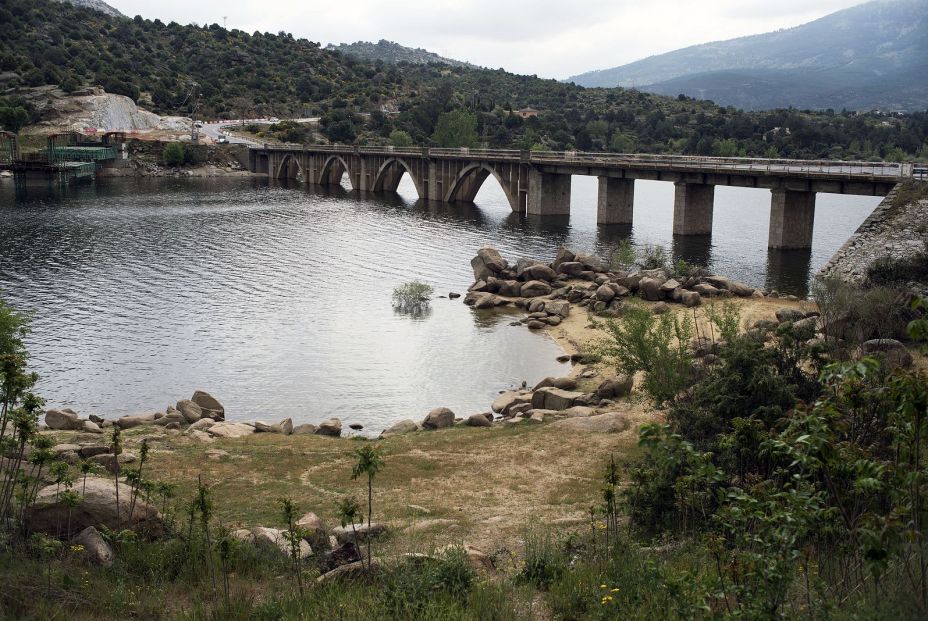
470	180
332	171
290	168
389	176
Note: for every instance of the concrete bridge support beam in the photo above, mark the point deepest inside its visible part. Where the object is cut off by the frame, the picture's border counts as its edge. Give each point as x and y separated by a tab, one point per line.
692	208
616	201
548	194
792	216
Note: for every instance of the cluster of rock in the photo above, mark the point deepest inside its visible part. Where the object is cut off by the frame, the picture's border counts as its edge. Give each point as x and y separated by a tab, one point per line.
552	398
809	325
201	406
202	417
546	290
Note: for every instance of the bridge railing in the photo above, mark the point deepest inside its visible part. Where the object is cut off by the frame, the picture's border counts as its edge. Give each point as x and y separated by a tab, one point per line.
829	168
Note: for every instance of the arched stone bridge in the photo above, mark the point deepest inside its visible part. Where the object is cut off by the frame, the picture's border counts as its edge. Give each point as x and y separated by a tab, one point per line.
539	182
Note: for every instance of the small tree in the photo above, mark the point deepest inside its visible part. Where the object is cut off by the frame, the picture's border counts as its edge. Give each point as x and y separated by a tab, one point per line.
294	536
370	462
116	449
348	509
143	454
412	297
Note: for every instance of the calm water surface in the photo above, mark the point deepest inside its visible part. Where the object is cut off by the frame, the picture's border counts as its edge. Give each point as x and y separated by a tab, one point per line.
277	299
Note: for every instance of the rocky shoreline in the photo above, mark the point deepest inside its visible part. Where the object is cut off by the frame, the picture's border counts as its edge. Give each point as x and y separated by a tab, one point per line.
547	293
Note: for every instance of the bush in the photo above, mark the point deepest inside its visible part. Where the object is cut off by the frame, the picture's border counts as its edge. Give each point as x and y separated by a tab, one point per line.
658	345
545	560
412	297
174	154
653	257
399	138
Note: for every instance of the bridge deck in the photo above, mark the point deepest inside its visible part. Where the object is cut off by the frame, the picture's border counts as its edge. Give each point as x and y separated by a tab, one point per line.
807	169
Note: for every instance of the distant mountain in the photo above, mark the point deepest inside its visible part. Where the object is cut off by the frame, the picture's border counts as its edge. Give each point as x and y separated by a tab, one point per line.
391	52
96	5
873	55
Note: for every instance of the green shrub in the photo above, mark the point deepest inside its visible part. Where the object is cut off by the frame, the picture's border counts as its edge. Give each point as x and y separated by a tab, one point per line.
545	559
653	257
658	345
412	297
174	154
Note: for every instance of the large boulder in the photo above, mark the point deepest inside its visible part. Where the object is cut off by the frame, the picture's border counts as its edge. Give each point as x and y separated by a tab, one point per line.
171	417
650	288
439	418
738	288
535	288
564	383
891	351
615	387
611	422
705	289
109	461
305	429
539	271
314	531
343	554
789	314
478	420
63	420
331	427
96	549
274	539
564	255
209	405
570	268
189	410
690	299
98	507
555	399
230	430
487	263
561	308
605	293
128	422
505	400
403	426
509	288
344	534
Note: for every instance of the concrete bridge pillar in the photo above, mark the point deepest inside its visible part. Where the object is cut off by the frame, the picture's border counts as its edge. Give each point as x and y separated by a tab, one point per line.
692	208
792	216
434	191
616	201
548	194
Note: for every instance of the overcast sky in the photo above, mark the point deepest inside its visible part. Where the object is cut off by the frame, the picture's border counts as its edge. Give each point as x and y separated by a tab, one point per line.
550	38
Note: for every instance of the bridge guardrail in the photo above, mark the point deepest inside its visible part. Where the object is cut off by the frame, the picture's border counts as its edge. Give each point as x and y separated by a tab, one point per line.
829	168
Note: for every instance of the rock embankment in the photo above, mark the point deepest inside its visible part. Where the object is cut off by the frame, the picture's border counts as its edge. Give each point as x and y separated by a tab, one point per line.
896	229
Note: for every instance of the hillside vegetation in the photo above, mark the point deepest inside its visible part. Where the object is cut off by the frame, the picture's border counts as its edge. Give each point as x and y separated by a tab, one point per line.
174	69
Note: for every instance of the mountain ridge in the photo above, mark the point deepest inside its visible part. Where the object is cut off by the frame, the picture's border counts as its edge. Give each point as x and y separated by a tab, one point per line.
858	46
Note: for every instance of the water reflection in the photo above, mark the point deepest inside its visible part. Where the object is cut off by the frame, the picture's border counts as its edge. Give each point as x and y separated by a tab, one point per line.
788	271
694	249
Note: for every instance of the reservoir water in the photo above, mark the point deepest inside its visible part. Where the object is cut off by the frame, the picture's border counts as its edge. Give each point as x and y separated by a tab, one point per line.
277	298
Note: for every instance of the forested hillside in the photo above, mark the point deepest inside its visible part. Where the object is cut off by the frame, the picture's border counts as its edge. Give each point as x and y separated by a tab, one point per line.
175	69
